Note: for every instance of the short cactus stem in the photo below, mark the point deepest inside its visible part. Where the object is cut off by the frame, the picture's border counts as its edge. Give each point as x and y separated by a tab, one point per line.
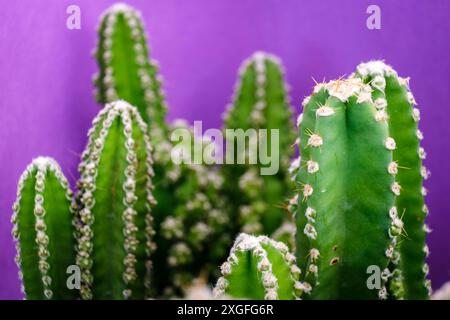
259	268
394	100
260	101
345	194
42	219
114	224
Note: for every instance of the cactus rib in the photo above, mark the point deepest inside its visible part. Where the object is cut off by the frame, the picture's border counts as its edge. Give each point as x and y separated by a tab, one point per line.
396	103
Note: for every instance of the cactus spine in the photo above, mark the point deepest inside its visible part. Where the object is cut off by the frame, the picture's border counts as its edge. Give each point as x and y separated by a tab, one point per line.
43	229
346	218
394	100
259	268
260	102
187	218
114	225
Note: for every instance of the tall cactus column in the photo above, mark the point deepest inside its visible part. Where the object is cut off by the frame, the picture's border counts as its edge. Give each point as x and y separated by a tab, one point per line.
393	97
260	102
125	71
114	226
43	229
346	219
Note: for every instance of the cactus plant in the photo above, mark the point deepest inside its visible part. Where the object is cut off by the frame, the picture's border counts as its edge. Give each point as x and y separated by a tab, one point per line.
259	268
42	219
125	71
393	98
188	215
114	223
260	102
346	215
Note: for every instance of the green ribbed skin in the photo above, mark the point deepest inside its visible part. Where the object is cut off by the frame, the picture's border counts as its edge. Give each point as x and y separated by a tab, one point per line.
346	219
43	230
258	268
114	225
393	96
188	218
260	102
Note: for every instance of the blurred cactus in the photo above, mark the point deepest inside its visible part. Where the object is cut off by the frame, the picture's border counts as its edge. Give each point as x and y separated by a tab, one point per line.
43	229
114	226
396	105
346	215
259	268
188	215
260	102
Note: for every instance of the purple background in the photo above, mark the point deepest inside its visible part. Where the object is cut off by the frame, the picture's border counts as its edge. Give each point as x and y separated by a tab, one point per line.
46	101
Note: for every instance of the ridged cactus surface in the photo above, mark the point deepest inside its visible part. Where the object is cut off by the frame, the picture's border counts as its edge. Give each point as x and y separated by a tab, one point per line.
259	268
260	102
346	215
42	219
188	217
396	103
114	225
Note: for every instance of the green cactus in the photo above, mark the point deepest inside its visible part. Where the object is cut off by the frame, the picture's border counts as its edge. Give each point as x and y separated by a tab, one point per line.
395	101
260	102
125	71
42	219
259	268
346	215
188	217
114	226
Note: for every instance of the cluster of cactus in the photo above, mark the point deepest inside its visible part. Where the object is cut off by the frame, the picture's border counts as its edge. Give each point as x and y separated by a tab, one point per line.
188	216
142	226
261	101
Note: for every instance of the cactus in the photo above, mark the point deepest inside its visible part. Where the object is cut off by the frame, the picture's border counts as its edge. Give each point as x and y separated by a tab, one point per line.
393	99
114	222
260	102
42	219
187	217
125	71
259	268
190	226
346	215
